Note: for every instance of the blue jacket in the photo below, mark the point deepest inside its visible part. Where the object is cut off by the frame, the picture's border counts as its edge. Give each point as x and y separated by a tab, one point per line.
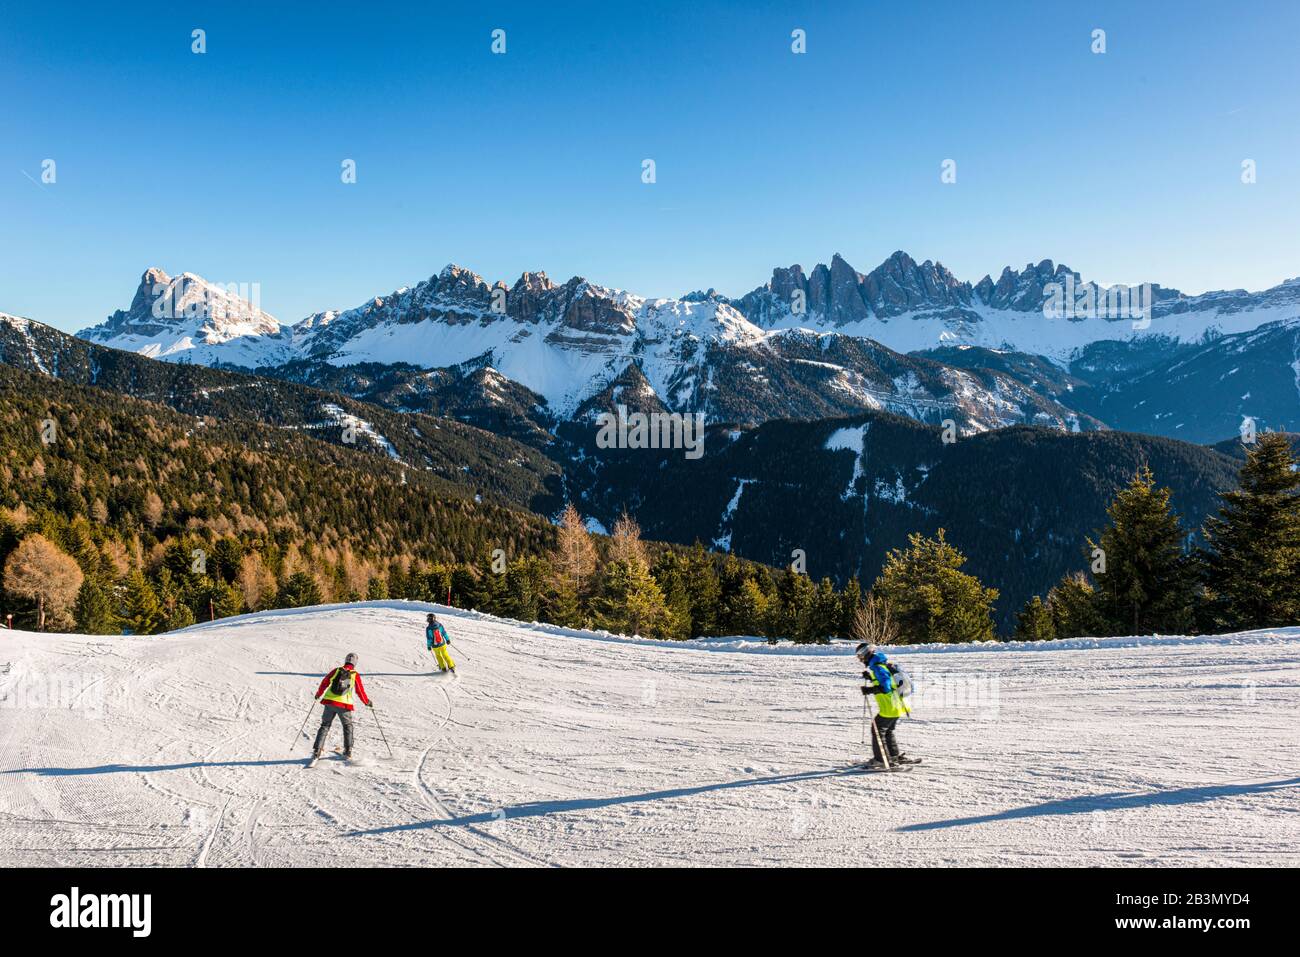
882	675
436	636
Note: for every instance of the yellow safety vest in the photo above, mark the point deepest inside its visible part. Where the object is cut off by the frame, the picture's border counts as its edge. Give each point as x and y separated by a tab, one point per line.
345	697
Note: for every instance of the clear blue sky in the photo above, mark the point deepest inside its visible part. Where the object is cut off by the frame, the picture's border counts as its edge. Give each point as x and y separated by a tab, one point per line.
1125	165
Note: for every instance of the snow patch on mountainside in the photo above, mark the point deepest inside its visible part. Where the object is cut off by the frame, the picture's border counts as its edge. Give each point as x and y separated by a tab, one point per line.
350	421
723	540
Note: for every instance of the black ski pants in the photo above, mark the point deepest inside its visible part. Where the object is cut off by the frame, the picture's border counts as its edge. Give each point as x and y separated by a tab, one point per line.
331	712
883	731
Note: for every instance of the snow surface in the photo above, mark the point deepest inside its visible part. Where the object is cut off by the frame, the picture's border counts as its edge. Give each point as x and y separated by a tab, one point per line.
560	747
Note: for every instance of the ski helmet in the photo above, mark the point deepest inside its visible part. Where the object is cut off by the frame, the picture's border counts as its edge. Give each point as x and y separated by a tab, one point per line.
865	650
351	659
432	618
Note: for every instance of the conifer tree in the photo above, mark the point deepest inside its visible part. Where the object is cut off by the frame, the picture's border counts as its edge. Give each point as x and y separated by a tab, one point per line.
1034	623
791	615
1252	566
182	616
631	601
670	573
1072	603
1148	584
825	612
142	612
732	615
298	591
850	600
525	588
749	610
574	561
94	609
704	590
929	595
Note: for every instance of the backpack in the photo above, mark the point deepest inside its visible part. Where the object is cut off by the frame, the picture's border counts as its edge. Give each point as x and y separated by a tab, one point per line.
342	682
901	679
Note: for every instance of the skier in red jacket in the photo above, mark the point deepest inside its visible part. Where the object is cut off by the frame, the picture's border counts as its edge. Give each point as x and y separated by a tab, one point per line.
335	692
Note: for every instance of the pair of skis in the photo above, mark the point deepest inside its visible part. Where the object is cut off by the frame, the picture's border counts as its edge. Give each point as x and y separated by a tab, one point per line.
894	765
311	762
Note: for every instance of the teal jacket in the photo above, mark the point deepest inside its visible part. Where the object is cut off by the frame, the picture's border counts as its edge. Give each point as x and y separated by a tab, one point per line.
436	636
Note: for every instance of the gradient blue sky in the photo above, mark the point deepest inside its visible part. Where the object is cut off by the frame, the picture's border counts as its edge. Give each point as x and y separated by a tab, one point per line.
1126	166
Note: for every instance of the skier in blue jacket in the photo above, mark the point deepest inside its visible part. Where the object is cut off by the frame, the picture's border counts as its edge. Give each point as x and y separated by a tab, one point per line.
890	704
439	642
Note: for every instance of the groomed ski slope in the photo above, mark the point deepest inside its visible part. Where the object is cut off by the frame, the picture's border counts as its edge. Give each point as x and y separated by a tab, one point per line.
567	748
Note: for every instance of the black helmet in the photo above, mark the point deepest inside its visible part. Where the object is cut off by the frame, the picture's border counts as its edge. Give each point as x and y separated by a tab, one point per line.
432	617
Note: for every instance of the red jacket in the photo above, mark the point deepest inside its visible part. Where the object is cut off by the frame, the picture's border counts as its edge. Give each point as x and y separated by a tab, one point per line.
356	683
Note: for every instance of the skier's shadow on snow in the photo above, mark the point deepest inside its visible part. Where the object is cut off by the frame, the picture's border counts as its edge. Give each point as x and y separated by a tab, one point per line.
146	768
1115	801
544	808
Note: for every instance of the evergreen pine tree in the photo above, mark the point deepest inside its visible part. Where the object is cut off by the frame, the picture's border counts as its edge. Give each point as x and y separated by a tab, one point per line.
1148	585
930	597
182	616
298	591
142	612
705	591
221	599
671	576
791	615
94	609
749	610
1034	623
850	600
1252	566
1072	603
733	610
631	602
525	587
825	612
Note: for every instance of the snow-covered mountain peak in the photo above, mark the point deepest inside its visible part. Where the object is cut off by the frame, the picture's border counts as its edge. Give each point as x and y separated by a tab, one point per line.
171	314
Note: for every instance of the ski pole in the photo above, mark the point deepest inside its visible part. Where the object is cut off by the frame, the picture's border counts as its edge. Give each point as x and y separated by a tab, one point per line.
304	724
864	721
880	742
381	730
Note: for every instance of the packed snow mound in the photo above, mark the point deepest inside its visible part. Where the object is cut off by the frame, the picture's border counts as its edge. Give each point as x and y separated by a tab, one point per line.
554	746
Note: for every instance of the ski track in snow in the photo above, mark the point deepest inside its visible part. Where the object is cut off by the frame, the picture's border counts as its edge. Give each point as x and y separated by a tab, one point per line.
555	747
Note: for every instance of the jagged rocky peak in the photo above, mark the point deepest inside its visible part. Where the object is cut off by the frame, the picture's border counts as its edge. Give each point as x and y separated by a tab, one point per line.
534	282
209	312
900	284
457	281
1022	290
532	298
841	295
590	308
